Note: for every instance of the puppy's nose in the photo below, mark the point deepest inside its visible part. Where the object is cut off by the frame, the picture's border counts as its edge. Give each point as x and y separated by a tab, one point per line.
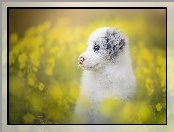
81	59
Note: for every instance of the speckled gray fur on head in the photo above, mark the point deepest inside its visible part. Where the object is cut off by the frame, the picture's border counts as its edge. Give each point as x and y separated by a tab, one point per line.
112	42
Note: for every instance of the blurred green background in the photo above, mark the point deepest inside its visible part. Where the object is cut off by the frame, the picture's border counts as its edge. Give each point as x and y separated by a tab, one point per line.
44	78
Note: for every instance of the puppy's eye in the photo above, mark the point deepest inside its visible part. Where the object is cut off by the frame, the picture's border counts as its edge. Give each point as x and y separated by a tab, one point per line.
96	47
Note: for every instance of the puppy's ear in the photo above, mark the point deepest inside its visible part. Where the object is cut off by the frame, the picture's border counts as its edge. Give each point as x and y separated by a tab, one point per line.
119	45
114	40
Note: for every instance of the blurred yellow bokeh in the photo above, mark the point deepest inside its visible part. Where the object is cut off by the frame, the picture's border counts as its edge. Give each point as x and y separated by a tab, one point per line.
45	79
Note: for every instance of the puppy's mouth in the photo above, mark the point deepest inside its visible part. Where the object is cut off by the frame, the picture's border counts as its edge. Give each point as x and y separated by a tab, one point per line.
89	67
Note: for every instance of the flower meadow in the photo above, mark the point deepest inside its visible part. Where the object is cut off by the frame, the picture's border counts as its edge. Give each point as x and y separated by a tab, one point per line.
44	77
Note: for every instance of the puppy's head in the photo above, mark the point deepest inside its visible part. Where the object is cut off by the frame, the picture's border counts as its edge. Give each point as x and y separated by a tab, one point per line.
104	46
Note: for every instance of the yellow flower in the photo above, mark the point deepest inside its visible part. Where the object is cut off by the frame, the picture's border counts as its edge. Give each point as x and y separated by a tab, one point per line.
74	91
49	71
34	58
50	65
55	93
164	90
41	86
31	78
30	31
150	89
149	80
161	61
108	106
54	50
158	107
22	59
146	71
51	61
144	112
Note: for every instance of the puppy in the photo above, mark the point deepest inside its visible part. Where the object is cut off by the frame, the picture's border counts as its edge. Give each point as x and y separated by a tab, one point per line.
107	74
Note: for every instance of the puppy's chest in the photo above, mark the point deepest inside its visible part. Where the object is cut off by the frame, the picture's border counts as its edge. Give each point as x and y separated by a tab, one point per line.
101	87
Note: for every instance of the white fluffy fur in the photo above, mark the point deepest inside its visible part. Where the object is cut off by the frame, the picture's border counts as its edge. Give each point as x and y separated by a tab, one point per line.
103	79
